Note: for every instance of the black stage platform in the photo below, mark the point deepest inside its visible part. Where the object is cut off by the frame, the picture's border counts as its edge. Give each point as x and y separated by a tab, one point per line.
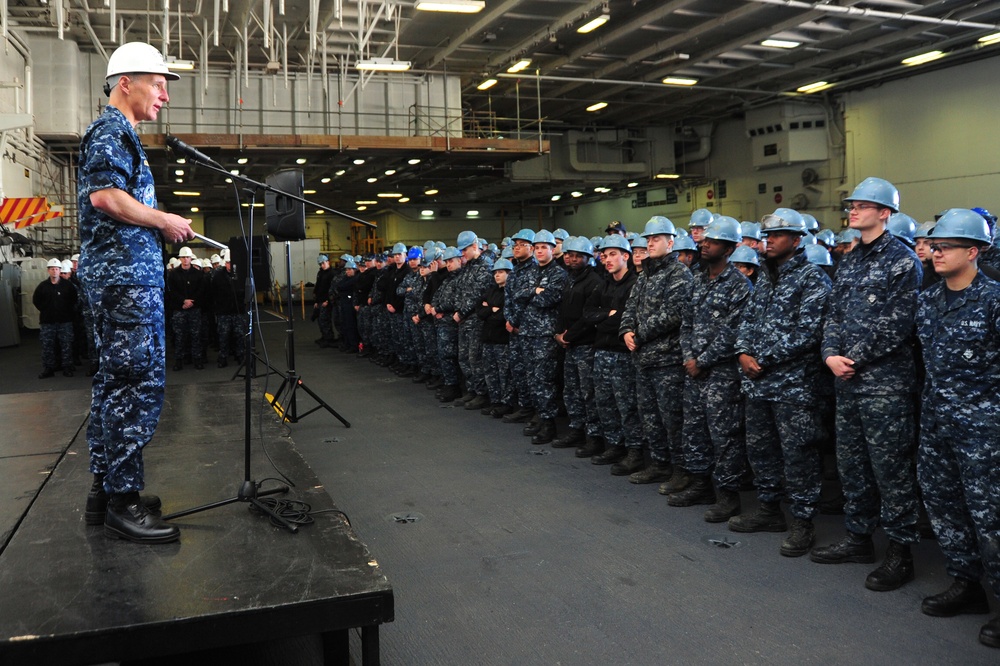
70	595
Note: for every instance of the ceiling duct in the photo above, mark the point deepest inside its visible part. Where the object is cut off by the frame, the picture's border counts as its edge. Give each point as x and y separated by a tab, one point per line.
600	156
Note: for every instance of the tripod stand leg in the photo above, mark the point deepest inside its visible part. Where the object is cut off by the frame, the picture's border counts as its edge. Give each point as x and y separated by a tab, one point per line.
230	500
322	404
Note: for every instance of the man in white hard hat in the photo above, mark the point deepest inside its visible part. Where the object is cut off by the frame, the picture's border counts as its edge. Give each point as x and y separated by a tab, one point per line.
55	299
121	268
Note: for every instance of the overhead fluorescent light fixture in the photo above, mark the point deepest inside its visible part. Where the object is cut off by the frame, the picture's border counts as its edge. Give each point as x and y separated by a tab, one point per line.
431	192
366	203
300	160
372	179
325	180
362	207
382	65
923	58
340	172
413	160
427	213
308	191
679	81
597	106
780	43
668	176
389	195
454	6
472	213
390	172
179	65
519	66
186	193
404	200
181	160
195	209
814	87
576	194
989	39
242	160
487	84
594	23
633	184
556	197
178	172
359	161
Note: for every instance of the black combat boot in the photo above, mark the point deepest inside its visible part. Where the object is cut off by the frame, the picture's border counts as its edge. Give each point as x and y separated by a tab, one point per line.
546	431
610	456
852	548
420	378
633	462
522	415
531	429
767	518
573	438
800	540
896	569
478	402
97	502
128	519
501	411
594	446
678	481
698	491
989	634
449	392
655	471
726	506
964	597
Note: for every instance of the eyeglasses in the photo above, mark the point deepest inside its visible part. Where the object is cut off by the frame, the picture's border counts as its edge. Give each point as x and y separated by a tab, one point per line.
941	247
857	208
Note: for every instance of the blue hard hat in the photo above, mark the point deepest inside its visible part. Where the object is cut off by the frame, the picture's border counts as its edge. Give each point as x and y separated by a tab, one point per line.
724	228
631	236
807	239
321	258
415	253
962	223
349	263
876	190
595	242
502	265
492	247
750	230
615	241
658	225
744	255
345	256
507	253
440	245
578	244
700	218
544	236
506	241
525	235
560	234
812	224
903	227
684	243
451	252
783	219
429	245
924	230
848	236
819	255
827	238
465	239
987	215
638	241
398	248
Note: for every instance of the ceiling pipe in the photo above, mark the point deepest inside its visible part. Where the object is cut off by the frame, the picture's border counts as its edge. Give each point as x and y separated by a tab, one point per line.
877	14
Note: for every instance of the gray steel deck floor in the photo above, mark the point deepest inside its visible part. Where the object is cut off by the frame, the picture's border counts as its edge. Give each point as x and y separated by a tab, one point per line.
520	558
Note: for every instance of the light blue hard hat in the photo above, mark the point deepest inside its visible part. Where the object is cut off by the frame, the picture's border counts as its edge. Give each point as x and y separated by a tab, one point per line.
848	236
819	255
724	228
631	236
321	258
560	234
658	225
876	190
349	263
578	244
827	238
614	241
783	219
451	252
506	241
807	239
684	243
744	255
544	236
750	230
398	248
639	241
924	230
440	245
428	246
507	253
962	223
812	224
903	227
595	242
700	218
465	239
525	235
492	247
502	265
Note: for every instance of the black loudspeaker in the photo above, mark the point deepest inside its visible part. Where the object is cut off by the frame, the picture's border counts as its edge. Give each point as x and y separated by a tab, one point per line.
286	218
259	262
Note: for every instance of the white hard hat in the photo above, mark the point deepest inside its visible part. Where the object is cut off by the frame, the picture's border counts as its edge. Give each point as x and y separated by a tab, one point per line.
185	252
138	58
54	263
67	266
196	263
75	257
224	255
216	259
174	262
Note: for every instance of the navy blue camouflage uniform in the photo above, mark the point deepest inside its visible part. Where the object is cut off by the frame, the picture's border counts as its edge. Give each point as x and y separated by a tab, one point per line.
614	372
473	281
412	291
960	425
870	321
121	268
431	364
781	329
540	309
445	303
713	403
653	314
519	393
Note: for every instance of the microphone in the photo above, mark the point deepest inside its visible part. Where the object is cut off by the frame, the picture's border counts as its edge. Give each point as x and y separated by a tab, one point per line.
180	147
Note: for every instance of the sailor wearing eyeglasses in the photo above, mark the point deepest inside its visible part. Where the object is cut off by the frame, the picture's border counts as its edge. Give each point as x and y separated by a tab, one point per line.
868	345
958	322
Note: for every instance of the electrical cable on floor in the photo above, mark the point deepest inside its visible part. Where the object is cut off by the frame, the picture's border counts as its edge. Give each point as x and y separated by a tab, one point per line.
295	512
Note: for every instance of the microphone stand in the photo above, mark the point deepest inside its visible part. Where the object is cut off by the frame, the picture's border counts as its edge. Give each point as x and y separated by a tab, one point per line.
250	489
